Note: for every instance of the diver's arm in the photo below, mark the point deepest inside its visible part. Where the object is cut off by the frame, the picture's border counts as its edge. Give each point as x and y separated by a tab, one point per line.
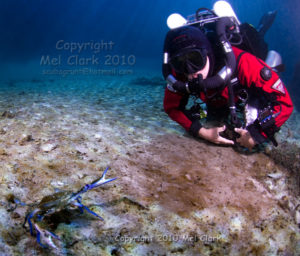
174	105
250	75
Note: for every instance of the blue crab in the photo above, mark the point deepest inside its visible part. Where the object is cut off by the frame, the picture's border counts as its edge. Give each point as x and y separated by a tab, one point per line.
54	203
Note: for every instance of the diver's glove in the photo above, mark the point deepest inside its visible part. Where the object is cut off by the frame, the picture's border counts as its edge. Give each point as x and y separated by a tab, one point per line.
196	85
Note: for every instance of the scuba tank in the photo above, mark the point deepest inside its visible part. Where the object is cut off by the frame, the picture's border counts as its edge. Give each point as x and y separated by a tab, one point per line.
243	36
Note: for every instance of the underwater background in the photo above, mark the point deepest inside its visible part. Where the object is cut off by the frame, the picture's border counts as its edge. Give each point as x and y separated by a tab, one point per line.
32	30
81	89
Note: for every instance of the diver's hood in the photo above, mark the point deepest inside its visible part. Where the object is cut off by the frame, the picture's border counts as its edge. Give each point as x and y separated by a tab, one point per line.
186	38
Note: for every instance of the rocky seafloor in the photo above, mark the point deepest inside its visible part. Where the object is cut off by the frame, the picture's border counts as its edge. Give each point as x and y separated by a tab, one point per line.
173	195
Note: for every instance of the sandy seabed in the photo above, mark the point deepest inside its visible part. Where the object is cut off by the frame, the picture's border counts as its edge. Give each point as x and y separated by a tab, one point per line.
173	195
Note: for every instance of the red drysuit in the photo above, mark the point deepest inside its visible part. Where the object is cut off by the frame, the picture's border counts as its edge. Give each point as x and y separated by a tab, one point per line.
249	75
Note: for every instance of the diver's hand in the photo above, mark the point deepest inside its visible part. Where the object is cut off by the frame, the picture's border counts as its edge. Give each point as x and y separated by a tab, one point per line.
245	139
213	135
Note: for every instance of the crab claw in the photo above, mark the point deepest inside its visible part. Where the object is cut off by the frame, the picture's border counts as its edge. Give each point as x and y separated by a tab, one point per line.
45	235
41	234
102	180
95	184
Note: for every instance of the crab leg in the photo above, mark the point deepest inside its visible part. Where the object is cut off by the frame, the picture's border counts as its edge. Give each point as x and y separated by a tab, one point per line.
83	207
28	218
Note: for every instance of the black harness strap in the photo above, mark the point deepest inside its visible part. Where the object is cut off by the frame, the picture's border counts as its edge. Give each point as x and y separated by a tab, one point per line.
238	61
234	119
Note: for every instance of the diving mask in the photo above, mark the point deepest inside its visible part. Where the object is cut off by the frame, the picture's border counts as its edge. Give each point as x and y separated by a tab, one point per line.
189	62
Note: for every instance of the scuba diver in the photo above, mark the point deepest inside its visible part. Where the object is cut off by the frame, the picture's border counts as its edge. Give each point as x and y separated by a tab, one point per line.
215	62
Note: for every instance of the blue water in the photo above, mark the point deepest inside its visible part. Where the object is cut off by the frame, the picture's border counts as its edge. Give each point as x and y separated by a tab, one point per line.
30	30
